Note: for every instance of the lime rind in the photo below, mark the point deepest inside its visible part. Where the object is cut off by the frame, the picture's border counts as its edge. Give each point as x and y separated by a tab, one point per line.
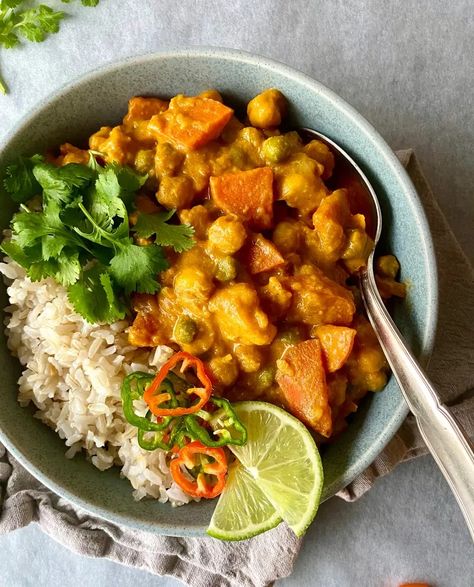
279	476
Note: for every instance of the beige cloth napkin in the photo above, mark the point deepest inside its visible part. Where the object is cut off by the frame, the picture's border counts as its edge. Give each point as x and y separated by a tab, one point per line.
204	562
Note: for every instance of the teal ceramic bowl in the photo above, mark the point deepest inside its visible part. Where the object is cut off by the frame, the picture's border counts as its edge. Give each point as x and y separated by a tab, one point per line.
100	98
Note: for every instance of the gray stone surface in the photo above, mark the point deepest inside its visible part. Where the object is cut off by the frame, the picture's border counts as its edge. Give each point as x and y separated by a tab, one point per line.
408	67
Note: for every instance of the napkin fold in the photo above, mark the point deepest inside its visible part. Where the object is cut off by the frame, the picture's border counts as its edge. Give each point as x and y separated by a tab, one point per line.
205	562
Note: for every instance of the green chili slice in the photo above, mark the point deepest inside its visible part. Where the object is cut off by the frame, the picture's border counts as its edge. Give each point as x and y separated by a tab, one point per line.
133	387
226	426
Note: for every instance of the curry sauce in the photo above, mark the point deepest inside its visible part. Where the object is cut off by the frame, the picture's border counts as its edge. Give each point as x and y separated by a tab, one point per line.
267	296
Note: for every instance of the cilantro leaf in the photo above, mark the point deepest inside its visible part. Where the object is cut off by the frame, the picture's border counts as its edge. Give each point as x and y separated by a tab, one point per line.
105	203
180	236
25	257
81	235
36	23
135	268
60	183
19	180
94	297
65	268
83	2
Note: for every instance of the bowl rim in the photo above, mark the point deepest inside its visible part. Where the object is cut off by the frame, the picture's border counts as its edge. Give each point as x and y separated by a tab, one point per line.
427	336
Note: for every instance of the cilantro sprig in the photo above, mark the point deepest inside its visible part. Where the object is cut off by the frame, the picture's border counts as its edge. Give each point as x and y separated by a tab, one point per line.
81	234
19	20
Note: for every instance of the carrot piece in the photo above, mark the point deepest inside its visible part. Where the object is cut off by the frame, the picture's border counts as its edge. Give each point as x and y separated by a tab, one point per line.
190	123
247	194
140	108
260	255
414	585
336	343
302	380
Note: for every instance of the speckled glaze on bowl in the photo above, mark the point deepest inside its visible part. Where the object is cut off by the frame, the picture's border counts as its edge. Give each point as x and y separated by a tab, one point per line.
100	98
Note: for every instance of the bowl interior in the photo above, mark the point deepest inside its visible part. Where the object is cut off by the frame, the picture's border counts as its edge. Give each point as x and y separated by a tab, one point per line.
100	99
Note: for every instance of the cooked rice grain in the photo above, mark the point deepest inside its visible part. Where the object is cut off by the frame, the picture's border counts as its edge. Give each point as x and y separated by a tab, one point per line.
73	372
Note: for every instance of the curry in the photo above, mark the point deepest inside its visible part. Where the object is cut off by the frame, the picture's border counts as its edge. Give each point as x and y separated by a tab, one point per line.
267	296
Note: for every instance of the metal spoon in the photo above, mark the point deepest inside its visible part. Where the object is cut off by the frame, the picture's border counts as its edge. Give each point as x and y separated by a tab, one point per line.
447	441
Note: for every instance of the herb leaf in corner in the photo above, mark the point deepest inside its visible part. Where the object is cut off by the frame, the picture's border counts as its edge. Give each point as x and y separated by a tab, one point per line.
178	236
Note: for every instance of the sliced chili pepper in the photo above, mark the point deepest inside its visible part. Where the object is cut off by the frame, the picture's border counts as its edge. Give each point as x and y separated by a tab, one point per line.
227	428
151	440
155	398
195	457
133	387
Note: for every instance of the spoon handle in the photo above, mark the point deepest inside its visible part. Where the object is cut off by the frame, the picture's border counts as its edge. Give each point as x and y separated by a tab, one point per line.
447	441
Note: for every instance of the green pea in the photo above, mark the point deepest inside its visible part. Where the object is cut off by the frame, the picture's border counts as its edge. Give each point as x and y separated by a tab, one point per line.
185	330
144	160
226	268
265	377
290	336
238	156
276	149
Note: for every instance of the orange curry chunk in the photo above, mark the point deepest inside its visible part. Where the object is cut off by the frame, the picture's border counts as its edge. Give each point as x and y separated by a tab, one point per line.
317	299
191	122
261	255
140	108
302	380
247	194
240	319
336	343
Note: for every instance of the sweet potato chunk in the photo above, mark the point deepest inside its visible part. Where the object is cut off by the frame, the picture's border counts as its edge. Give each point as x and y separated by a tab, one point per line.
190	123
302	380
247	194
336	343
260	255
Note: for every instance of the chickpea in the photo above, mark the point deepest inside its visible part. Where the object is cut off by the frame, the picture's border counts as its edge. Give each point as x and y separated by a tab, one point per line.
267	109
227	234
371	359
175	192
167	160
226	268
376	381
249	357
193	283
211	94
321	153
224	369
198	217
252	136
185	330
287	236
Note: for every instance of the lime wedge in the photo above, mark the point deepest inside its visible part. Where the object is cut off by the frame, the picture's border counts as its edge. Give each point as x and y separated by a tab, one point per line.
243	510
279	474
